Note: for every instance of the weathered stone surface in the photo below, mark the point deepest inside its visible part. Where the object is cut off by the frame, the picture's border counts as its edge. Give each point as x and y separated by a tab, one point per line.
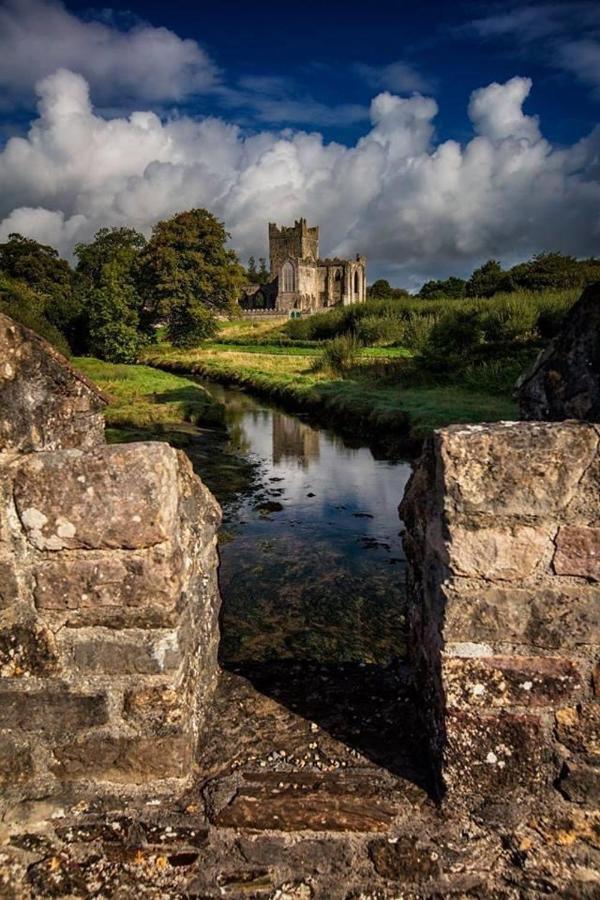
494	754
564	382
124	652
502	520
580	783
153	578
513	468
125	760
502	552
509	681
544	616
579	728
47	404
50	710
16	761
578	552
8	583
159	709
122	496
27	649
328	802
406	860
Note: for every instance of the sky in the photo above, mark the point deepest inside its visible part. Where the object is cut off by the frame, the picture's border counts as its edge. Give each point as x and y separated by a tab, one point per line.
429	137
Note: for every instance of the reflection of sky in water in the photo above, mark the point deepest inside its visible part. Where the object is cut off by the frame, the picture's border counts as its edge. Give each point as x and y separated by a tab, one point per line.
333	558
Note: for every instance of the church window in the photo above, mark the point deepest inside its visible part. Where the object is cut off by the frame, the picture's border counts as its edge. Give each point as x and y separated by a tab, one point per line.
288	278
356	288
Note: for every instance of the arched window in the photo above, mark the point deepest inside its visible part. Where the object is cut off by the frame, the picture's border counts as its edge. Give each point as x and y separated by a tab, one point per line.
288	278
356	282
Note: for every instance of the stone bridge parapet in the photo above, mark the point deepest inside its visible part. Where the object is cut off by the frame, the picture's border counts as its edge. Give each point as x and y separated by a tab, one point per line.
108	595
504	577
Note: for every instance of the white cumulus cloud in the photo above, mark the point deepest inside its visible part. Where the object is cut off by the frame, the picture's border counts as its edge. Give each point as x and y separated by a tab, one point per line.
417	208
142	62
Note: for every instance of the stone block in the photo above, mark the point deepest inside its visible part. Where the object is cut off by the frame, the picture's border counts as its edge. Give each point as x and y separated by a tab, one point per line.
503	552
123	496
27	649
9	587
50	710
580	783
509	681
131	652
578	728
16	761
157	709
492	754
48	404
120	759
543	617
148	579
578	552
514	468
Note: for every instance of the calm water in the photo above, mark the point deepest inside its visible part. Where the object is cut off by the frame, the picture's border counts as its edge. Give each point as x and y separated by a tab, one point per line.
312	565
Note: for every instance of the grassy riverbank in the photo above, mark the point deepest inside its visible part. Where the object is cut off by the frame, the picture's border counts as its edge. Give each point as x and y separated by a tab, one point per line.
144	398
378	395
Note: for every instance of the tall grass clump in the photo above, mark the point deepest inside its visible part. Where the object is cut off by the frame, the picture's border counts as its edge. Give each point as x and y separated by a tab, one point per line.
339	355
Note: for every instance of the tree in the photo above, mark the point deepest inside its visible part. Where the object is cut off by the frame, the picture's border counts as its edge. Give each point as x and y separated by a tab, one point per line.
263	272
40	268
546	271
108	272
186	263
451	287
190	324
380	289
21	303
485	280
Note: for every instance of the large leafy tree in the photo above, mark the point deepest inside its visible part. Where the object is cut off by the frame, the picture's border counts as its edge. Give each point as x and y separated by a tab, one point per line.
485	280
187	263
49	277
108	272
450	287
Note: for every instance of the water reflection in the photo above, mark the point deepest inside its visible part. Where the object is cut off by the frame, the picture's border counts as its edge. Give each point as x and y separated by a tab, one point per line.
312	565
293	441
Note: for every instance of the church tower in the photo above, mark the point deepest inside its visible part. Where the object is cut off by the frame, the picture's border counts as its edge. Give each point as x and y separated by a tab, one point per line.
294	242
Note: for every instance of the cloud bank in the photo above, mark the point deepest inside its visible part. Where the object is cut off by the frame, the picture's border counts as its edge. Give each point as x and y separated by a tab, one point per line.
416	208
143	62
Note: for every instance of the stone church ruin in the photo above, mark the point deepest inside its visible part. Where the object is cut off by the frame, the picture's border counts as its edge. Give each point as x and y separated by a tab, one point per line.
301	282
130	764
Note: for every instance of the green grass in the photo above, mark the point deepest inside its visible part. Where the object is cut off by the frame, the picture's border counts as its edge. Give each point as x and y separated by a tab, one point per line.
388	396
141	397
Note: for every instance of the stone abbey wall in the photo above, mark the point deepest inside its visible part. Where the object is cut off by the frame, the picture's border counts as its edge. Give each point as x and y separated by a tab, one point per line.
108	595
503	545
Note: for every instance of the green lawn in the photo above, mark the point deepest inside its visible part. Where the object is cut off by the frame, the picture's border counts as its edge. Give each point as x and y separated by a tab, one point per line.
379	395
146	398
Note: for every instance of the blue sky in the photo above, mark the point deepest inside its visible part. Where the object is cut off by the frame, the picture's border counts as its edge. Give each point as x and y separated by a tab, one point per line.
336	54
430	136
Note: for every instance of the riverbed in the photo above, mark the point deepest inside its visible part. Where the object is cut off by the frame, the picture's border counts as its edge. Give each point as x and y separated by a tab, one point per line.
312	565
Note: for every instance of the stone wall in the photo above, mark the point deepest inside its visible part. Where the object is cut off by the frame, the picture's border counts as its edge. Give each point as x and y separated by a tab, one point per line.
564	382
503	546
108	595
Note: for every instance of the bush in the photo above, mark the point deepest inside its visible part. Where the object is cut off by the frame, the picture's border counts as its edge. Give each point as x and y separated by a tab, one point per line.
380	330
508	320
339	355
115	342
190	324
417	331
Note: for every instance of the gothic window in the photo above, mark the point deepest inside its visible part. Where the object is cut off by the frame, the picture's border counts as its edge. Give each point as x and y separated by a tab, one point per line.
356	288
288	278
338	275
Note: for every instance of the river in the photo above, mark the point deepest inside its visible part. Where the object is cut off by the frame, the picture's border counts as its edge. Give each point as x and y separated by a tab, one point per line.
312	565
